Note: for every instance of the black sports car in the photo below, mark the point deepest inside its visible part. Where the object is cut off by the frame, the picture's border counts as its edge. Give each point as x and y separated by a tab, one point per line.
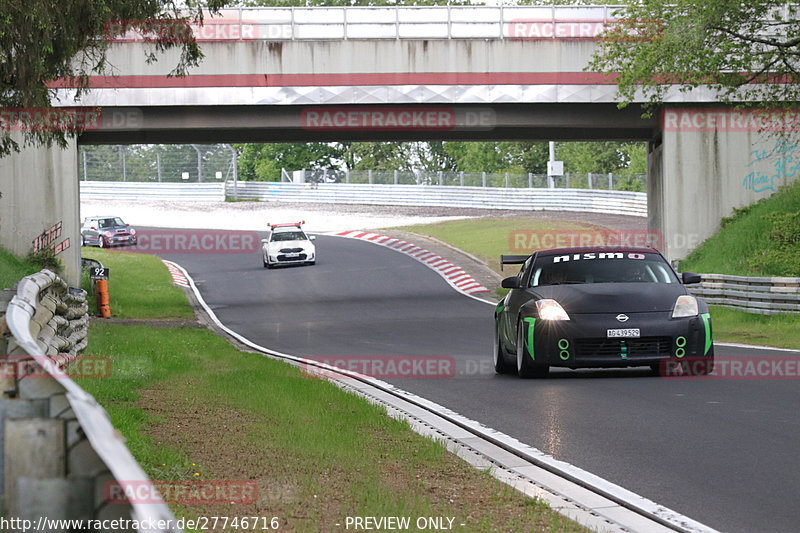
600	307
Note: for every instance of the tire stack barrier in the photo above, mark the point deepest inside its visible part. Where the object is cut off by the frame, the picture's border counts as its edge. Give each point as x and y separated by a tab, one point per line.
59	449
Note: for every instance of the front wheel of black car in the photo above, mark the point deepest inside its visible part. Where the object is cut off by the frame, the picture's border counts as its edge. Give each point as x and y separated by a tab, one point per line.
526	367
501	365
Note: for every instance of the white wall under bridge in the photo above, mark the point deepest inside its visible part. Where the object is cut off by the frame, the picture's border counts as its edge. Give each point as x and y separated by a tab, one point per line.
39	204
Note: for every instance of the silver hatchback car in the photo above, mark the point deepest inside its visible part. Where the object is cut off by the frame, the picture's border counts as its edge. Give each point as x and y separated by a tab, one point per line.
106	231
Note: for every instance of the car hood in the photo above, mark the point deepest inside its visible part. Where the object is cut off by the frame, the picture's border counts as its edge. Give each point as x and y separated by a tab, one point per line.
612	297
289	244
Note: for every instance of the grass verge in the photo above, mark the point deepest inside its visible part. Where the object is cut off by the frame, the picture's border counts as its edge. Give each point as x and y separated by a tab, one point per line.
487	238
192	407
13	269
139	286
762	239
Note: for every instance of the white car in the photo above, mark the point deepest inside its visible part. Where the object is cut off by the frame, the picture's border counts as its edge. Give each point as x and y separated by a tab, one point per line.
288	244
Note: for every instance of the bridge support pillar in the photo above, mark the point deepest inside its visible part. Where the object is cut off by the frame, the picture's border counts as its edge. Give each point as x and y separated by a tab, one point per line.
710	161
40	204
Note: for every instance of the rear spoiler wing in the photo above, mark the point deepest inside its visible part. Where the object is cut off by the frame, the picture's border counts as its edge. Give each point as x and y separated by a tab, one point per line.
512	260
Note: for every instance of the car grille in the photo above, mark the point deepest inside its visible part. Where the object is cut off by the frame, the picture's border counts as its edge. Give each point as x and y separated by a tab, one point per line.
612	347
301	257
290	250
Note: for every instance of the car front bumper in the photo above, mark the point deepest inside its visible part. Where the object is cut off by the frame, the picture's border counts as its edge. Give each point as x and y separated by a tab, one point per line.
584	341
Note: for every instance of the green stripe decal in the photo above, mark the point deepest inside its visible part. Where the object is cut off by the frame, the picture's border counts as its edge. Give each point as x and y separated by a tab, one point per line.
499	308
707	326
531	322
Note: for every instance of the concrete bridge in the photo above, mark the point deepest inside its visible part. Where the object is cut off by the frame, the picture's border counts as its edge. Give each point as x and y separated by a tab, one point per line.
466	73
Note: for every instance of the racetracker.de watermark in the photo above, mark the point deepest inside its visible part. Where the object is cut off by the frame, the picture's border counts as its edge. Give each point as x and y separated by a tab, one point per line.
730	120
733	368
68	119
191	241
386	367
82	367
205	492
414	118
526	241
184	31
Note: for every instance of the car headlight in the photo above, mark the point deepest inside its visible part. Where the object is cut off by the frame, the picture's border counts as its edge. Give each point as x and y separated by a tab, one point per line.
550	309
685	305
108	233
133	231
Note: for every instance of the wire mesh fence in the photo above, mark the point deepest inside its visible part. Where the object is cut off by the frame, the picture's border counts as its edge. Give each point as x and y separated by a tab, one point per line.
189	163
611	181
157	163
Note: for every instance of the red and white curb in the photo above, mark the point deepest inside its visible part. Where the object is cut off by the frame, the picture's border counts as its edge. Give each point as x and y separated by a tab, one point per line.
178	277
455	276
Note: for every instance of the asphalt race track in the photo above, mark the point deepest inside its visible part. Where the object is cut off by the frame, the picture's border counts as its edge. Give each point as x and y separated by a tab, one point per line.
724	452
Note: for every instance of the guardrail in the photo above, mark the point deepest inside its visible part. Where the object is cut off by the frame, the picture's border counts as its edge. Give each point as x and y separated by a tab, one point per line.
588	200
765	296
60	449
127	190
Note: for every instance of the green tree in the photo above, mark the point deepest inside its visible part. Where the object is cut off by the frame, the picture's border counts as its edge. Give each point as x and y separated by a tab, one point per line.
263	162
741	49
47	40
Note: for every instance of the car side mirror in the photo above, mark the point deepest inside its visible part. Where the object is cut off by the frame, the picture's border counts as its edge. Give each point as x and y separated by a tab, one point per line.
689	278
264	241
511	283
312	237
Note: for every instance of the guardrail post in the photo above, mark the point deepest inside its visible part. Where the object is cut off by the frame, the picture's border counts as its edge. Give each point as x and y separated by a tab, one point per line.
369	176
461	178
610	181
395	177
483	179
441	176
530	180
589	176
506	180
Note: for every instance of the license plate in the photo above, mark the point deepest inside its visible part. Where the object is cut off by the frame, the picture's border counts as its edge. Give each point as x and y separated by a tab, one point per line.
292	255
630	332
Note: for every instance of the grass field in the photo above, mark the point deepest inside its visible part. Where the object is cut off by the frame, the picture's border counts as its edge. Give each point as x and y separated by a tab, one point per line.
194	408
488	238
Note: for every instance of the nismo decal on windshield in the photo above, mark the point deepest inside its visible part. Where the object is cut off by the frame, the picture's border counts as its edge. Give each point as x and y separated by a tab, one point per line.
596	255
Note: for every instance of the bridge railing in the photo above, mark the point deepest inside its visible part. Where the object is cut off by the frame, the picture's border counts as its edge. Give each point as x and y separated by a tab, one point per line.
400	22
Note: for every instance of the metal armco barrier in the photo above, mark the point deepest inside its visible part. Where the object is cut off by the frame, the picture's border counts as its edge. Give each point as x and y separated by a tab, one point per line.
765	296
588	200
129	190
59	448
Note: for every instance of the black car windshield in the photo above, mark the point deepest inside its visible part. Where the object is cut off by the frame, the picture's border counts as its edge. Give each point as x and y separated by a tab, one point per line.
110	222
288	236
601	267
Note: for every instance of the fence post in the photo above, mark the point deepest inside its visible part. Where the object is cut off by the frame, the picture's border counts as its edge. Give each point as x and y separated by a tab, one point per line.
369	176
347	176
395	177
506	180
567	176
610	181
441	178
461	178
590	180
530	180
483	179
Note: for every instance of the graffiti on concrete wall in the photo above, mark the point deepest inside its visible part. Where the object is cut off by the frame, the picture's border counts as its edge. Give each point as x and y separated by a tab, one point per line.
782	161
